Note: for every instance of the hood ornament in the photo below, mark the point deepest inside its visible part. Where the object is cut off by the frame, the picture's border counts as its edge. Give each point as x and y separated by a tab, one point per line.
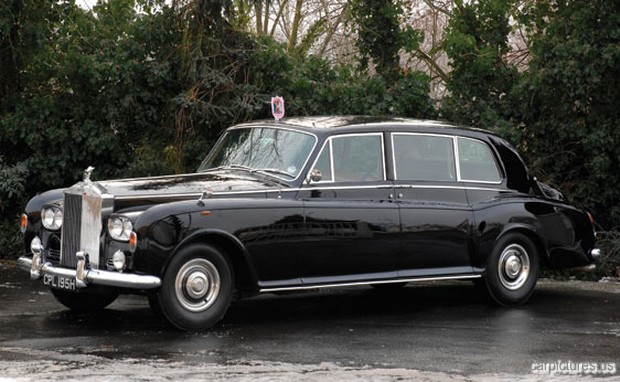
87	173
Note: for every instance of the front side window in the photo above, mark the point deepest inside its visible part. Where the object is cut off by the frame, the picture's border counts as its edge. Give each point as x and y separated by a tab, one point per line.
352	158
424	157
476	162
277	151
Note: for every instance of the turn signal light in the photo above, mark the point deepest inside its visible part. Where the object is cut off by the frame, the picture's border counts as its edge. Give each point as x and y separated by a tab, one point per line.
23	223
133	241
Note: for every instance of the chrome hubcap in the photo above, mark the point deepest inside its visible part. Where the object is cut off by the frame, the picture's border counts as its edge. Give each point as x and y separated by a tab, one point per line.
197	285
514	267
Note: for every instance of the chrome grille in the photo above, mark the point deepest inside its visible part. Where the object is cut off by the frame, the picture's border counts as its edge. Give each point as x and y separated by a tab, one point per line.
82	224
72	221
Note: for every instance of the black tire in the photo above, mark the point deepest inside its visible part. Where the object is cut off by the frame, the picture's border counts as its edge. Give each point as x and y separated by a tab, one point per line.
154	305
512	269
197	288
84	301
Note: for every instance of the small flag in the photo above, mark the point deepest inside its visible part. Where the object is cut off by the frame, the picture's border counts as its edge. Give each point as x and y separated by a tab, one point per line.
277	107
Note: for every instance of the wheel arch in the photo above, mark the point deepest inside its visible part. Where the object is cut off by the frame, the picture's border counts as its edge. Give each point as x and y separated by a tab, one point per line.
532	234
231	247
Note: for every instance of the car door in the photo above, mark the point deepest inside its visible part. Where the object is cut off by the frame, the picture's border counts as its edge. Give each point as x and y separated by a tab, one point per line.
435	215
351	224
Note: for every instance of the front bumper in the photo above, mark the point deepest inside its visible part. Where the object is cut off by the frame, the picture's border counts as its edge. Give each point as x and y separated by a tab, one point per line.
84	276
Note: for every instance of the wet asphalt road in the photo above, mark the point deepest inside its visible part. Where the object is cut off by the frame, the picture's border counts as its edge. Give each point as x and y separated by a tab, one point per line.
424	332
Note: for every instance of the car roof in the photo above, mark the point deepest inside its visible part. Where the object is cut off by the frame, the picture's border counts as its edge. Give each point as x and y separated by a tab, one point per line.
322	124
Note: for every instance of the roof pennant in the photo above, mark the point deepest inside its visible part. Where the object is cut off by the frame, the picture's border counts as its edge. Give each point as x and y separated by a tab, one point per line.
277	107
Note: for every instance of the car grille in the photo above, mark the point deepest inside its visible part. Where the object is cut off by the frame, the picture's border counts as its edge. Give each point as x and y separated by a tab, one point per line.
81	226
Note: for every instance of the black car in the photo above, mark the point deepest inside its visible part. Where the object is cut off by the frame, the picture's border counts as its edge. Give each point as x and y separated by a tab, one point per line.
306	203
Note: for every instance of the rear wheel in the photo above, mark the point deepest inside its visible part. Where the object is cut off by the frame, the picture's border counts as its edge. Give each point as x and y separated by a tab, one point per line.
84	301
512	269
197	288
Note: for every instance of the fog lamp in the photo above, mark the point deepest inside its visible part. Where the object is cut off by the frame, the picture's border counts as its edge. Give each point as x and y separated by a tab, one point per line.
119	260
36	247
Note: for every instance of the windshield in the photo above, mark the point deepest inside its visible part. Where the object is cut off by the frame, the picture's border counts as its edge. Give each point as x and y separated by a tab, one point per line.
279	152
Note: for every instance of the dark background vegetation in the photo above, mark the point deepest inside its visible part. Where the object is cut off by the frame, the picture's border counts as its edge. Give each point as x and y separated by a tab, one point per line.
141	87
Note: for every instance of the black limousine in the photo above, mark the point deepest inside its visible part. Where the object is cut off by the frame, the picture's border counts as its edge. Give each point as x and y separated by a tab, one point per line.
304	203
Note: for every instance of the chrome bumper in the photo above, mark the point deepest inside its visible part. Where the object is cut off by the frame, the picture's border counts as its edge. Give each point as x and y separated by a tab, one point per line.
83	276
595	254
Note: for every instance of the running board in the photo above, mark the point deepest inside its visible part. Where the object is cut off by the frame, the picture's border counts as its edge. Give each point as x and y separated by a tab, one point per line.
360	283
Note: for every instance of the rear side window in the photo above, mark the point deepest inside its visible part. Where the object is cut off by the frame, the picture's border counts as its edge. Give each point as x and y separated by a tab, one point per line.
352	158
476	162
424	157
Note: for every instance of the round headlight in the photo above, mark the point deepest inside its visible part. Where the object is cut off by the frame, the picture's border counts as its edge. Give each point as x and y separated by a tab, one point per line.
119	228
51	217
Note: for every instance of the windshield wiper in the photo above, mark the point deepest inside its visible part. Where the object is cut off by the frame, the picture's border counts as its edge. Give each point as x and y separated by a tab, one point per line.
269	171
232	167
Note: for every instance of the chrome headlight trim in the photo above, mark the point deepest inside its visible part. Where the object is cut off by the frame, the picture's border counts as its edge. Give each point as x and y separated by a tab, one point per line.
51	218
120	227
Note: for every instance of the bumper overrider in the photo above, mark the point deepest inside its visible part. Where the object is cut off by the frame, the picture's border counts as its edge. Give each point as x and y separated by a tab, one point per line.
82	275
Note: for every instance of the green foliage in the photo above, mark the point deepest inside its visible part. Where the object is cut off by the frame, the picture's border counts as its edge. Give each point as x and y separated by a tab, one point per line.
570	99
12	193
380	36
311	86
12	184
481	81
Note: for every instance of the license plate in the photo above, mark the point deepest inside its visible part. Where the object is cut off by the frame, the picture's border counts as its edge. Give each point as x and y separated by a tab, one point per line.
59	282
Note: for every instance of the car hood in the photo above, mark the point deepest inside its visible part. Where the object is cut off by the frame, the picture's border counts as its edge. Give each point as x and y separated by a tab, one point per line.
216	182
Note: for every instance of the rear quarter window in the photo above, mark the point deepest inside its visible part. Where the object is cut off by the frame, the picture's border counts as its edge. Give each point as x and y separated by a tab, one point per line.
477	162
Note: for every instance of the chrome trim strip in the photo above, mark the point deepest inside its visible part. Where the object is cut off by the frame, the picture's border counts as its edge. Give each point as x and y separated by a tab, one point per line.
319	186
487	189
97	277
360	283
408	186
195	195
375	186
457	158
439	187
585	268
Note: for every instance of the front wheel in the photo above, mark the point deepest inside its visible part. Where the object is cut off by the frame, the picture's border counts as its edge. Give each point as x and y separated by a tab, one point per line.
197	288
512	269
84	301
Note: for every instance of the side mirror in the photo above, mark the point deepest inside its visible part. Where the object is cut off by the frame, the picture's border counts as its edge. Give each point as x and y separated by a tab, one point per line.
315	175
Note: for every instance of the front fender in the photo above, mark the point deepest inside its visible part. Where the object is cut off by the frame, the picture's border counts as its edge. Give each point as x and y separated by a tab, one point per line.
233	248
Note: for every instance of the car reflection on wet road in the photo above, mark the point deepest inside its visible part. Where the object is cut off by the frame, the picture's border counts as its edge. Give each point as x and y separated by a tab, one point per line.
422	332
